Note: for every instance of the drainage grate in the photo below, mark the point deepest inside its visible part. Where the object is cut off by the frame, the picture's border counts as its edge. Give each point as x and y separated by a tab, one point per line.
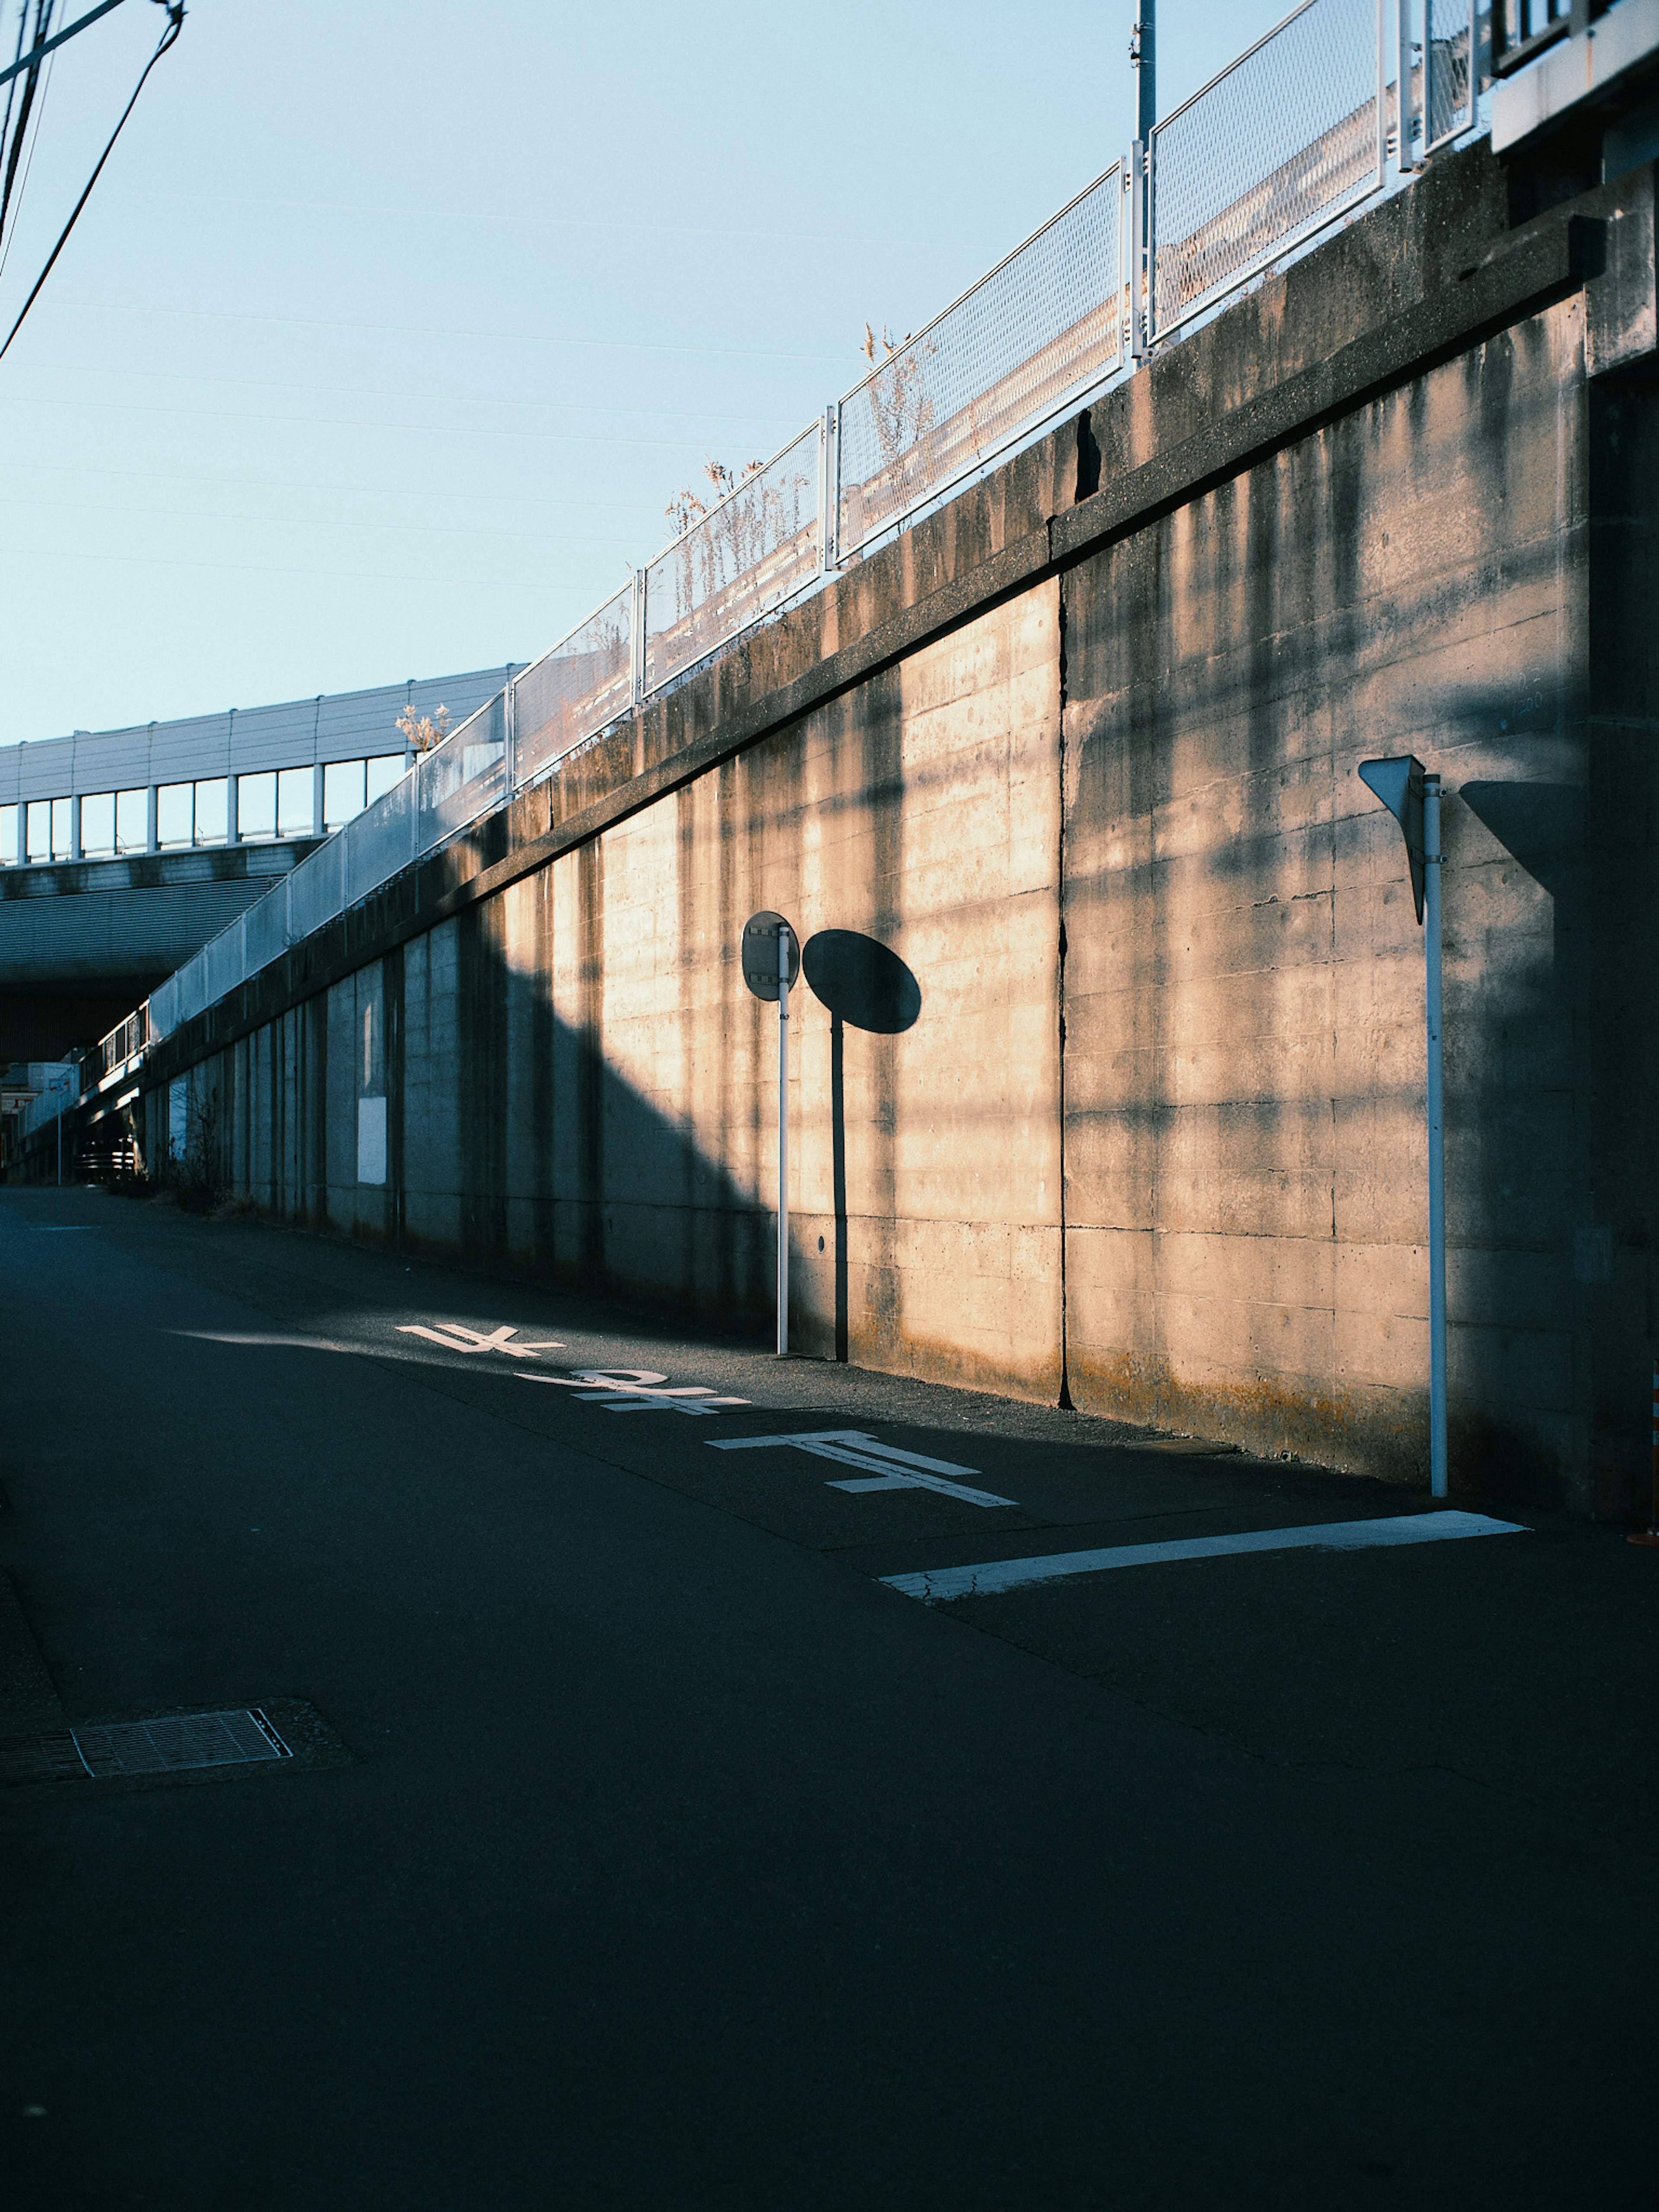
166	1745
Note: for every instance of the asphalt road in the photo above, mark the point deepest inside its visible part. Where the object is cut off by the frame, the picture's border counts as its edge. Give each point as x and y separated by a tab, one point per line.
649	1849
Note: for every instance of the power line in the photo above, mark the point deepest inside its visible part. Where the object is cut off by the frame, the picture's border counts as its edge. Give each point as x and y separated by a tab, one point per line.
11	84
42	19
38	52
169	38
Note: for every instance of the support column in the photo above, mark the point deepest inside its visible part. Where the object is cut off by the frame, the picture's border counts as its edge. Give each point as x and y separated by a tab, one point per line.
153	819
319	829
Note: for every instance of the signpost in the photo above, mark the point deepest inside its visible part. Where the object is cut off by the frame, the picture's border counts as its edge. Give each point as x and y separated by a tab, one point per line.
1412	796
770	953
59	1087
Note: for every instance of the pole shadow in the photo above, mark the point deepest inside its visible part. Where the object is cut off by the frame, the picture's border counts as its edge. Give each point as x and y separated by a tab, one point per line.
865	985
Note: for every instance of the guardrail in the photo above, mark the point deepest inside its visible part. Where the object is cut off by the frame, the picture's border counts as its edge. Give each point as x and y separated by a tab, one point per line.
62	1092
1290	138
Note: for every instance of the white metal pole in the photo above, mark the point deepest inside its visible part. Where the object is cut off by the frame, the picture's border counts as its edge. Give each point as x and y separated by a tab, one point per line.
1405	105
1436	1141
783	1141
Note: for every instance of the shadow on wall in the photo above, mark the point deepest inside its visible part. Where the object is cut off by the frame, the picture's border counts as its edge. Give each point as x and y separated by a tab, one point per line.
520	1146
862	982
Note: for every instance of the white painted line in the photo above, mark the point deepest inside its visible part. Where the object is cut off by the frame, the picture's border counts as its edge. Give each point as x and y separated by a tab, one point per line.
938	1585
456	1336
888	1467
635	1390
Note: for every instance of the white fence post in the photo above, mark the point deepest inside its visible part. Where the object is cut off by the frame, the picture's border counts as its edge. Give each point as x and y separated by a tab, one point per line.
829	489
1139	175
636	638
1405	105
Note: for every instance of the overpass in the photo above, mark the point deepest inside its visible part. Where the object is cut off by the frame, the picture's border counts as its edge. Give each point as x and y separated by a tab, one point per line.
1071	725
122	852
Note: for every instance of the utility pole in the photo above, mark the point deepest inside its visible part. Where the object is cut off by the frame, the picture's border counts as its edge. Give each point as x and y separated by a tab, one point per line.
1143	59
1143	55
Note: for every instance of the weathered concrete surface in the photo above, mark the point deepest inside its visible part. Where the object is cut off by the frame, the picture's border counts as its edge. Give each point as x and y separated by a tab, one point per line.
1081	749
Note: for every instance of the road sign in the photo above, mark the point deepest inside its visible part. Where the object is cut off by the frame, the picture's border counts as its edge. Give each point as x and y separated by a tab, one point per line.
759	953
1411	795
770	953
1398	784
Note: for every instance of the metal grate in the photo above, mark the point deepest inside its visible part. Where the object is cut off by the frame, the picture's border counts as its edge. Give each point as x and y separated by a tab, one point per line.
458	779
571	693
378	841
314	890
161	1009
166	1746
226	962
1287	137
266	927
191	980
748	553
1032	338
1452	43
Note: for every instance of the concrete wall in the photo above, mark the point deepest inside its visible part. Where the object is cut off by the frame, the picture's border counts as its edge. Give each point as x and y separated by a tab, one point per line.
1081	750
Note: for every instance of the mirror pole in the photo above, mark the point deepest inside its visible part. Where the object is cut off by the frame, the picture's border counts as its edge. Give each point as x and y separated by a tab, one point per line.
783	1142
1436	1139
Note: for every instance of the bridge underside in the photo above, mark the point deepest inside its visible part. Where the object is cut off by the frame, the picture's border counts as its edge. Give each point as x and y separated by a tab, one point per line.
83	943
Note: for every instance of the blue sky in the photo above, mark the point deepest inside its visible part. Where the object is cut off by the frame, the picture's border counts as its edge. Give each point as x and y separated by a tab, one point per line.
390	330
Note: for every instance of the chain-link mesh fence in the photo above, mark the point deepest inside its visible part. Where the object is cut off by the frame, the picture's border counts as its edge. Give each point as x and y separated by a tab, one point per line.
266	927
225	964
457	780
1280	142
571	693
1450	48
743	555
314	890
191	992
378	841
1031	339
1283	141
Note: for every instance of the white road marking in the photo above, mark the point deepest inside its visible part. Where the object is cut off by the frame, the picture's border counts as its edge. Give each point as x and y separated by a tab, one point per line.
455	1336
635	1390
938	1585
889	1468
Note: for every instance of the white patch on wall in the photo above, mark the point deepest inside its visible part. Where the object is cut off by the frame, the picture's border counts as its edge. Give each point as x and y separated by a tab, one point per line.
177	1118
371	1140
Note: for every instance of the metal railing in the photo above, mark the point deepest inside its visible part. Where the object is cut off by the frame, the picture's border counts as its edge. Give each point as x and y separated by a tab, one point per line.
1289	139
62	1092
124	1043
1451	48
1278	146
1038	334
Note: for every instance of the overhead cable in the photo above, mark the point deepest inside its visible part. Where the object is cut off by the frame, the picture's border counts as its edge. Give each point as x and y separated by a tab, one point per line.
11	82
42	23
38	52
169	38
